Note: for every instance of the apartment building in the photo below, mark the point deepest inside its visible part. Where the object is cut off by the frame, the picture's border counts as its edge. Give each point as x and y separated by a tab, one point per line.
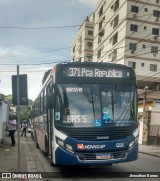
125	32
82	48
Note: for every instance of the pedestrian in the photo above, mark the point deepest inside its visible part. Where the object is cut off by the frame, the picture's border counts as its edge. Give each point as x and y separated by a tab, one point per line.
25	125
12	128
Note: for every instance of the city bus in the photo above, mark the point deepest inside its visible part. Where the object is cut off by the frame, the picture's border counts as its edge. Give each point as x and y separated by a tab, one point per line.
86	114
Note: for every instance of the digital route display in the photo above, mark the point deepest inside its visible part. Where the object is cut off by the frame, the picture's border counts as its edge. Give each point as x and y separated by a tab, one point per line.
106	72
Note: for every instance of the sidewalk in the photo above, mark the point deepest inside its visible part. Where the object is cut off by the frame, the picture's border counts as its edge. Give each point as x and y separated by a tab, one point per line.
29	160
150	150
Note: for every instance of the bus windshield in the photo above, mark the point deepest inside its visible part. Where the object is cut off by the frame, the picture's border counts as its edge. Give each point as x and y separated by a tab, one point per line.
95	105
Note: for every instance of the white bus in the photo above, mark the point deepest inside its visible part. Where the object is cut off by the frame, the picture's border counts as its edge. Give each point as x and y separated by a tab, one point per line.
86	114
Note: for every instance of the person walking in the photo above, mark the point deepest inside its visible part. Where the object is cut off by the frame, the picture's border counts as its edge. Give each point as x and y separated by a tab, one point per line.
12	128
25	125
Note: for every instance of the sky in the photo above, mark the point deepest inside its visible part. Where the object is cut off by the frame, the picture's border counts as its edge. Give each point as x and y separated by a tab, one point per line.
36	34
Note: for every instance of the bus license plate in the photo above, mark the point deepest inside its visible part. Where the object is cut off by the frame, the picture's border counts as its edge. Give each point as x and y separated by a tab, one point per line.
103	156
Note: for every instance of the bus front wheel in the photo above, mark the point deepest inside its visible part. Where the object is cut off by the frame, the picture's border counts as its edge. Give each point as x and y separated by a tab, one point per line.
46	146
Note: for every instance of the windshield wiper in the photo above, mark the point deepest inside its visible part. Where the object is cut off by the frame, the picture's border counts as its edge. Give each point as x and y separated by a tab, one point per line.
112	105
115	93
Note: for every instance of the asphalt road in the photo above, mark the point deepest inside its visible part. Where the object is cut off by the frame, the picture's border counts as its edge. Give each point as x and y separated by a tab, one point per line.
144	165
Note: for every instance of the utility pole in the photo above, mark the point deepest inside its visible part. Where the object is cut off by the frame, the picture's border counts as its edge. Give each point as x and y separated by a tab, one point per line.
18	121
145	118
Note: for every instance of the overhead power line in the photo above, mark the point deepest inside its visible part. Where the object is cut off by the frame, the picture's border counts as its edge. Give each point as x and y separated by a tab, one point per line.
38	28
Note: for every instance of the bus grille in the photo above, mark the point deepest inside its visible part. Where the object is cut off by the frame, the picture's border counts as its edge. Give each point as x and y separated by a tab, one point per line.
92	156
99	135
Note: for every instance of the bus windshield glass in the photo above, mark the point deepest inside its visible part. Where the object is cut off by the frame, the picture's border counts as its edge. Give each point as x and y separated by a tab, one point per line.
95	105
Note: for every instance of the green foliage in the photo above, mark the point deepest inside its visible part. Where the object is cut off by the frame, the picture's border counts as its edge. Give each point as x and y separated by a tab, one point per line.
24	110
24	113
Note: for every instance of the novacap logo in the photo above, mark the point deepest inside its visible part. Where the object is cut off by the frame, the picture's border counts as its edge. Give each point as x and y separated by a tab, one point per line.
82	147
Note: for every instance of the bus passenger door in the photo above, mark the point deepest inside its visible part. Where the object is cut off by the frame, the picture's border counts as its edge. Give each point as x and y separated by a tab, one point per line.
49	119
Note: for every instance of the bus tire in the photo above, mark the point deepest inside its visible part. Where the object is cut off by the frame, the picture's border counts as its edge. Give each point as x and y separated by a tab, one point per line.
52	164
37	145
32	136
46	146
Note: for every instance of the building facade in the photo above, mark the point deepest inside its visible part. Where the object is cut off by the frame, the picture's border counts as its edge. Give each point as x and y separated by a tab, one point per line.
82	48
125	32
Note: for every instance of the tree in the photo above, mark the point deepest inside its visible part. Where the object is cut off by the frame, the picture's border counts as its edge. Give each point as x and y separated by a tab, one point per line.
45	75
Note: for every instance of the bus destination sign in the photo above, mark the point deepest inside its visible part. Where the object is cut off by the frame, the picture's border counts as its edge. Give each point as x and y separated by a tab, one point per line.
95	72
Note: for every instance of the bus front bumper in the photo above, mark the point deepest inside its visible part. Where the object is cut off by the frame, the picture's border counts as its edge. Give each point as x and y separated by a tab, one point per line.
63	157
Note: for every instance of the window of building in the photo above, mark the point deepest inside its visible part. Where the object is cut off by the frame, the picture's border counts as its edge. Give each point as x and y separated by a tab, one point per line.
100	25
133	27
101	11
145	27
157	1
142	64
101	32
80	39
99	39
132	64
115	6
114	55
115	21
99	53
115	38
134	9
156	13
155	31
89	44
110	55
133	46
153	67
110	40
90	32
80	50
146	9
74	48
89	57
154	49
144	46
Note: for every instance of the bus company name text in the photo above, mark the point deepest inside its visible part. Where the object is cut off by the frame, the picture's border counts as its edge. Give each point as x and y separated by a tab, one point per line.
83	147
84	72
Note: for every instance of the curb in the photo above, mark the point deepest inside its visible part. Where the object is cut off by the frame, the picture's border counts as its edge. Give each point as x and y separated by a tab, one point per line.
151	154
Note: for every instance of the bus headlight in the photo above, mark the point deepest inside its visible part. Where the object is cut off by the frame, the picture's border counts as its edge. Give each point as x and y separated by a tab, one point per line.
69	148
64	145
59	142
133	142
